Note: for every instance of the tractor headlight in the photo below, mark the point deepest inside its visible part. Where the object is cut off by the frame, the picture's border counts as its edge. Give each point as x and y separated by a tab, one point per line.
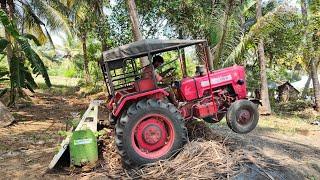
176	84
240	82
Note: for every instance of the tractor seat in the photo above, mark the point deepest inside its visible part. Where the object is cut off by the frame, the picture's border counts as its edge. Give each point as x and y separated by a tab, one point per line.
145	84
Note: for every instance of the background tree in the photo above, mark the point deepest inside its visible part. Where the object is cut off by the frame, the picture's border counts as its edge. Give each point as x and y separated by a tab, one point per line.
313	42
303	5
280	27
84	16
135	26
231	28
266	108
17	42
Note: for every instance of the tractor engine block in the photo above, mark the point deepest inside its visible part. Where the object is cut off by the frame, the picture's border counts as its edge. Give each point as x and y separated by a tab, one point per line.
206	107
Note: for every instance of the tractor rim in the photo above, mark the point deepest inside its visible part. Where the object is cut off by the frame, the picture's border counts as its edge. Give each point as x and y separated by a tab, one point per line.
153	135
244	117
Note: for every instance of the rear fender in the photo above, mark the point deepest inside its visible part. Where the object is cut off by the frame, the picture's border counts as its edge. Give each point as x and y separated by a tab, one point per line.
134	97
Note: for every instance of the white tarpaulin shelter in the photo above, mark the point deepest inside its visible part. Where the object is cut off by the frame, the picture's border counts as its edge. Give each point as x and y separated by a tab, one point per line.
299	85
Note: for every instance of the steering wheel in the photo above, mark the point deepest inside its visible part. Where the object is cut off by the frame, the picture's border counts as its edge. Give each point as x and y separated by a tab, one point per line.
169	72
168	76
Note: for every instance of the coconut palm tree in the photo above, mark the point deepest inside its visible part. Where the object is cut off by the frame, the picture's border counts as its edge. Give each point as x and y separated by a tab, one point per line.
25	21
312	29
266	108
271	22
85	16
135	26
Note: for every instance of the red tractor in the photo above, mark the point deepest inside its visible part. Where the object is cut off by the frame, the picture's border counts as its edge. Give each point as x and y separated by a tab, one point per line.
148	126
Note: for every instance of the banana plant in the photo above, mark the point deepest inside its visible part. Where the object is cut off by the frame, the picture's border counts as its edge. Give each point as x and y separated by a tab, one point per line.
3	71
24	61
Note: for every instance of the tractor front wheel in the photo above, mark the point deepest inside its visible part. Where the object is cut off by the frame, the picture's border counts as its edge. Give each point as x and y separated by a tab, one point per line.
150	130
242	116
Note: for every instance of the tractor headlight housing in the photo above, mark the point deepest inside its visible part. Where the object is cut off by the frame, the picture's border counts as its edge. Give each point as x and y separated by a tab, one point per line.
176	84
240	82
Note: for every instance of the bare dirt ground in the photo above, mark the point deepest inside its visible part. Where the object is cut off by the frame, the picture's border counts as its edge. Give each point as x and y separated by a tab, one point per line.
279	155
271	151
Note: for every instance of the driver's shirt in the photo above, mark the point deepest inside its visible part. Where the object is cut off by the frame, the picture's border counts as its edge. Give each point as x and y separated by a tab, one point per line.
147	73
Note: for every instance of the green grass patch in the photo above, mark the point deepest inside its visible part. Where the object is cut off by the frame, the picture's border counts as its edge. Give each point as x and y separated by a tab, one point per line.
60	85
285	124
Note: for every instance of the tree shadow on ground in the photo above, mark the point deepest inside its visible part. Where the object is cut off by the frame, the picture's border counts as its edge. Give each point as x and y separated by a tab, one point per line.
264	154
294	109
47	107
58	89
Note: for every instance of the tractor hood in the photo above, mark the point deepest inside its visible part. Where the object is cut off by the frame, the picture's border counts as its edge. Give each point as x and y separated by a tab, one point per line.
115	57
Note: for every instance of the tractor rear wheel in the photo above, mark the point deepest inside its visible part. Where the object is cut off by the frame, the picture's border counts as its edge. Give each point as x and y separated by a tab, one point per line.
150	130
112	120
242	116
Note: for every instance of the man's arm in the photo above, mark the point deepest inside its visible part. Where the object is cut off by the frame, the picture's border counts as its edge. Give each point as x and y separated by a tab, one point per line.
158	77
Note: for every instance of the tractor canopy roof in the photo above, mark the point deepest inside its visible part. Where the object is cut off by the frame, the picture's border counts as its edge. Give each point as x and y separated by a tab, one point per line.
115	57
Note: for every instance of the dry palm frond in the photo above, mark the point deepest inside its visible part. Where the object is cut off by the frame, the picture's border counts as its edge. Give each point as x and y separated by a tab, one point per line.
112	161
199	159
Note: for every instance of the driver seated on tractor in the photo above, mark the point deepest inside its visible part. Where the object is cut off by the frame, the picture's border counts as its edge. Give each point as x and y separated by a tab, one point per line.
148	73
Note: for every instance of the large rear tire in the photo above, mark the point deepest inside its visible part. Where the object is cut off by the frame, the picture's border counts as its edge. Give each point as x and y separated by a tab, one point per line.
112	119
242	116
150	130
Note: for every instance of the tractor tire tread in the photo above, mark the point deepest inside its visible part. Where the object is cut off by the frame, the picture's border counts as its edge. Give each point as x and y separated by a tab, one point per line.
232	119
136	108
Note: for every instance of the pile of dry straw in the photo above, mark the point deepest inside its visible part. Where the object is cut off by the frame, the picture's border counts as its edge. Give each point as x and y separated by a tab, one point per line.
202	158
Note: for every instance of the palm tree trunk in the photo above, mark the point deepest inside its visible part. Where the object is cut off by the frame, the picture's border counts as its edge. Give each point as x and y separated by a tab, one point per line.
7	35
9	48
213	3
315	81
304	13
11	8
135	27
224	33
10	54
210	57
85	58
313	60
134	20
266	108
3	4
306	86
314	8
183	56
